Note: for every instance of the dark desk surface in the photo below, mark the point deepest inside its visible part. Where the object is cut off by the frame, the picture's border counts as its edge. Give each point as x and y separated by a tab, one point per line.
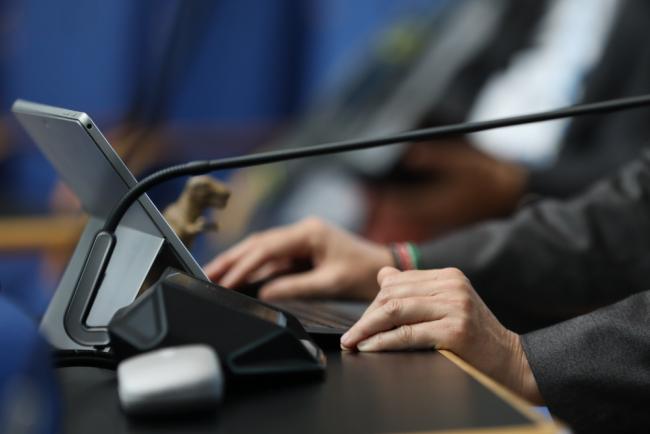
362	393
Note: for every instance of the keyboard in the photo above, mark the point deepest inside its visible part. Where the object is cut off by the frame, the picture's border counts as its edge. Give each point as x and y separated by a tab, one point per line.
324	317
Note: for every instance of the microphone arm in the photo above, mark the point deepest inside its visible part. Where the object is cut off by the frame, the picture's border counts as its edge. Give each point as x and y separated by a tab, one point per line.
102	247
202	167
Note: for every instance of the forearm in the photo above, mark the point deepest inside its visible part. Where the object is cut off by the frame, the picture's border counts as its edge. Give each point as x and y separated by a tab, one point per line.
554	260
592	371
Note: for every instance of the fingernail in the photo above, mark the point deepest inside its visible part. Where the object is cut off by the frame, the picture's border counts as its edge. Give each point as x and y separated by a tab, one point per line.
365	345
345	339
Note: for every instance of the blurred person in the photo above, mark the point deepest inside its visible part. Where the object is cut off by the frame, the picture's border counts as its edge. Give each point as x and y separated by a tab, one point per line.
554	159
567	282
509	58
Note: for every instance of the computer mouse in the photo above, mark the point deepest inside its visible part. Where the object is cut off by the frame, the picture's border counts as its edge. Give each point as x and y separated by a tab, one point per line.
171	380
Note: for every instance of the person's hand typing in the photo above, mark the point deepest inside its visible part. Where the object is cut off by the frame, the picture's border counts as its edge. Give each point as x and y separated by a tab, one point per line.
439	309
343	265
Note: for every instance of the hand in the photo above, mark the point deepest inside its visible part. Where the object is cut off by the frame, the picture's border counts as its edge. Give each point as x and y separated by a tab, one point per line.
343	265
489	186
439	309
461	185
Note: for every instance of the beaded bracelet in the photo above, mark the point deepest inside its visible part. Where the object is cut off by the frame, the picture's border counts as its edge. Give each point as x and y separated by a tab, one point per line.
405	255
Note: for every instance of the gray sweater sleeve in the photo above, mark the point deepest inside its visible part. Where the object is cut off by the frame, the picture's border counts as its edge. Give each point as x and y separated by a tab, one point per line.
594	370
557	259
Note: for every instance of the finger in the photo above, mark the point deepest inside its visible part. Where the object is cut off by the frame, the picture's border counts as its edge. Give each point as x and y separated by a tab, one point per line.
272	245
392	279
385	272
393	314
425	335
309	284
270	269
288	240
245	267
222	263
424	288
216	268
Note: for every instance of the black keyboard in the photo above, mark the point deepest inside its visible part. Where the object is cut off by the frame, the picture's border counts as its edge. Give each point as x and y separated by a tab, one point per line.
324	316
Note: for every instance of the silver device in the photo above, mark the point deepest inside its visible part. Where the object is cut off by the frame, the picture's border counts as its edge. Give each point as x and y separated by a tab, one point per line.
170	380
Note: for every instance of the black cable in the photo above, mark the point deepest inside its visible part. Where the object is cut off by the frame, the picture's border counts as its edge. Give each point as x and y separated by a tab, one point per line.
202	167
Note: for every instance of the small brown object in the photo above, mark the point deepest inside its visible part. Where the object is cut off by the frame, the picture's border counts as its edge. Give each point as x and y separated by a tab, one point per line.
186	215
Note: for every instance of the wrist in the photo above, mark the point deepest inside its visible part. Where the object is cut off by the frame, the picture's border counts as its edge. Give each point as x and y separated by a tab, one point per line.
377	256
524	382
382	257
386	256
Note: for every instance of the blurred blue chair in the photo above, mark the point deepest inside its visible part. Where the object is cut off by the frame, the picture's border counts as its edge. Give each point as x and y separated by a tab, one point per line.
29	396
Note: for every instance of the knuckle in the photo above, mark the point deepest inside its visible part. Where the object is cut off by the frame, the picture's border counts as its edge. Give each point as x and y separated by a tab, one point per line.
464	284
334	279
465	304
314	224
406	334
315	232
459	288
464	323
362	329
382	297
454	272
457	331
261	251
389	281
254	238
380	341
463	329
393	308
387	293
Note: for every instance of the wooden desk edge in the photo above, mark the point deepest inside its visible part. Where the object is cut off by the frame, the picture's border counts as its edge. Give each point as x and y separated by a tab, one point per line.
546	428
35	233
539	425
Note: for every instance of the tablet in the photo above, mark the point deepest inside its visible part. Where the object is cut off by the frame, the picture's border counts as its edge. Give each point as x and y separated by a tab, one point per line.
91	168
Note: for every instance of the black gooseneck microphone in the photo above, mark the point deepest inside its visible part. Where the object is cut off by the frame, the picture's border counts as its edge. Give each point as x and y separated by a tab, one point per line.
104	242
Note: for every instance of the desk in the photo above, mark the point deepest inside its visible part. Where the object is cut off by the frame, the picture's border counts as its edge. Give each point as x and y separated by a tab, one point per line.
40	233
362	393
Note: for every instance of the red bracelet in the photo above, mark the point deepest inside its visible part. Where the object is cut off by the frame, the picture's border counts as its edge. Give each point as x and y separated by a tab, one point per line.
405	255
